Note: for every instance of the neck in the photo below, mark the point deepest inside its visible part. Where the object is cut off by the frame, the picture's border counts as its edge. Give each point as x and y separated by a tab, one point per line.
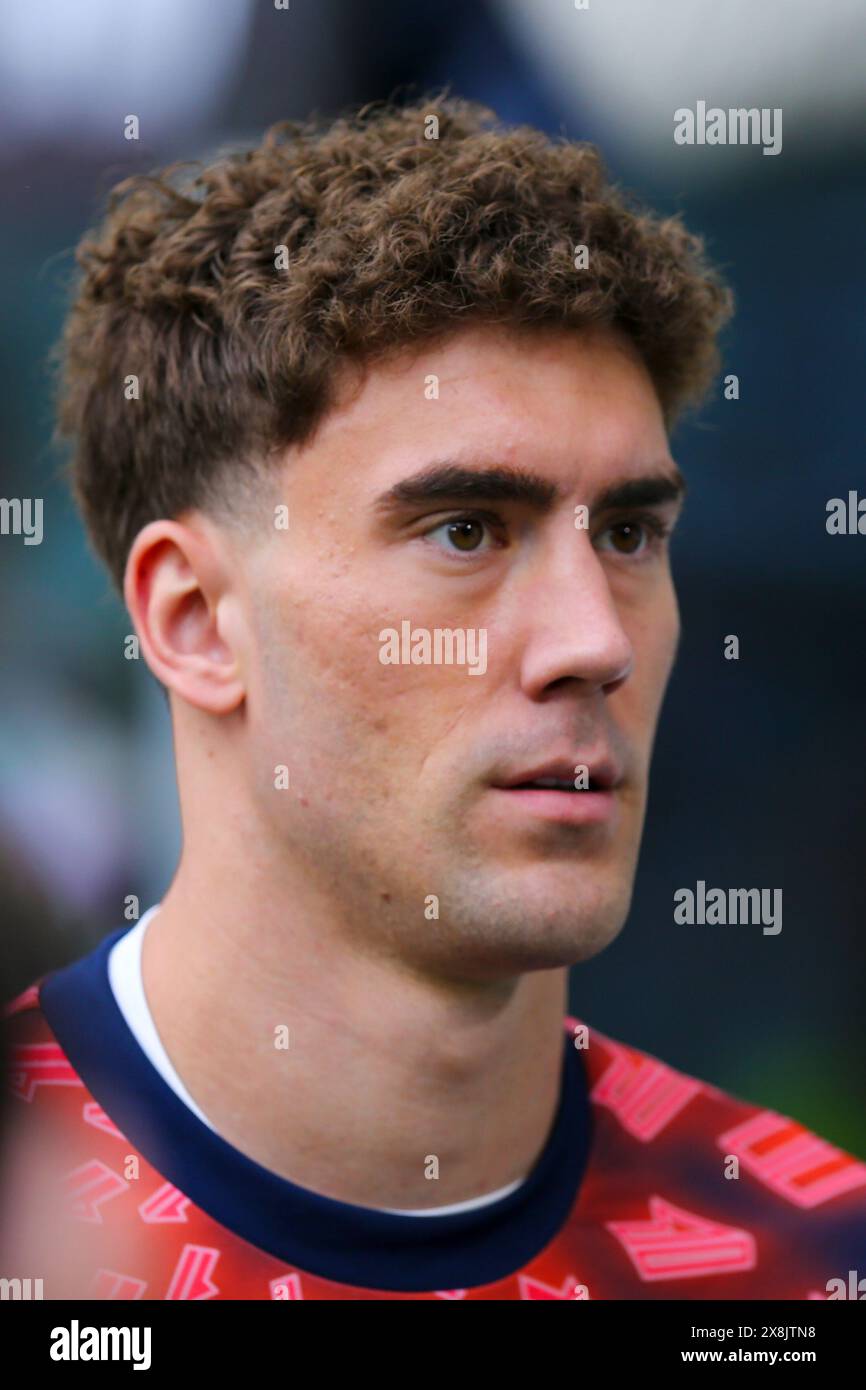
386	1067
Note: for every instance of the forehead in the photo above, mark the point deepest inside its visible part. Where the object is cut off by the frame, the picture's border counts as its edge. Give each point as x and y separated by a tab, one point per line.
573	404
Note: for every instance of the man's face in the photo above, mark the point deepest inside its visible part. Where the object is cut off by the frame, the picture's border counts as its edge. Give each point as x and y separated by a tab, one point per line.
442	494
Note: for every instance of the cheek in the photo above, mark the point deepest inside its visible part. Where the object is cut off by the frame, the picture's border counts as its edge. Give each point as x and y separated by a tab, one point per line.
667	631
662	653
673	627
321	688
654	638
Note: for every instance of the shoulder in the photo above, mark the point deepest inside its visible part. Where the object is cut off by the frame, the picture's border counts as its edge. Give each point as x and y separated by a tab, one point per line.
35	1063
689	1154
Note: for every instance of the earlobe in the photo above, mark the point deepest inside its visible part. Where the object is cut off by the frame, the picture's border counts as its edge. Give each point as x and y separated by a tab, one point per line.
176	588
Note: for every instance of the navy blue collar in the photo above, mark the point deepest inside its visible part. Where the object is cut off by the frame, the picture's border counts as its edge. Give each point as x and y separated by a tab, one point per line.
347	1244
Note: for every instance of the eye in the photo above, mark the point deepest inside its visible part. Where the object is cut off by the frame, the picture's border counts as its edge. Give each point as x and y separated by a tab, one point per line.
464	535
635	535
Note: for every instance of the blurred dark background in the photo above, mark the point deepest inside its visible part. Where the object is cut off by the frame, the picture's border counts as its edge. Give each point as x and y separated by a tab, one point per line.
758	778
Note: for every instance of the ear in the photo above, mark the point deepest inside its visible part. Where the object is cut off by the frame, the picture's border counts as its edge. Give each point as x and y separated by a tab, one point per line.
177	589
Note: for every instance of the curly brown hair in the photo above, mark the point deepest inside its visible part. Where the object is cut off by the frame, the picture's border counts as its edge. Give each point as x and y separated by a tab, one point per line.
390	237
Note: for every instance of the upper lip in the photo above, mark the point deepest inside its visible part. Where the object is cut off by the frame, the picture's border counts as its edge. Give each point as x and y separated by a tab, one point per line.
604	771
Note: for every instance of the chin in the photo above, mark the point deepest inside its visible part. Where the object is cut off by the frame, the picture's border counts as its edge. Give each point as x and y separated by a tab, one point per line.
570	937
539	931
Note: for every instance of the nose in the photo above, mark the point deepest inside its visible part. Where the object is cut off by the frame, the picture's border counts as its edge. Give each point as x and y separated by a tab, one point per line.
573	630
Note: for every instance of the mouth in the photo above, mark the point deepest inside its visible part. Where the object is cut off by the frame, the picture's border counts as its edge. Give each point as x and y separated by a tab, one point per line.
590	773
578	792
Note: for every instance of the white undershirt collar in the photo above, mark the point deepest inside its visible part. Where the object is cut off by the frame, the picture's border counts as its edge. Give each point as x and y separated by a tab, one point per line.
125	978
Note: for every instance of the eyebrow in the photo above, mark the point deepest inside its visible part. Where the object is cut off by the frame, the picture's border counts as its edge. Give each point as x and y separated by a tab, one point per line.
450	481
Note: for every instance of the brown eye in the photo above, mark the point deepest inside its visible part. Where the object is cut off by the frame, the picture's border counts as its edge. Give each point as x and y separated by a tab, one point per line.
466	535
627	537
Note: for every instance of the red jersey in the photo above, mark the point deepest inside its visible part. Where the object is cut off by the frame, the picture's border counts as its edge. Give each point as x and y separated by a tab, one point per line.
651	1185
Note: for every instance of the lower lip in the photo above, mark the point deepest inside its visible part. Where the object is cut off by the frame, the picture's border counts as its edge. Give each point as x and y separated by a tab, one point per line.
570	808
